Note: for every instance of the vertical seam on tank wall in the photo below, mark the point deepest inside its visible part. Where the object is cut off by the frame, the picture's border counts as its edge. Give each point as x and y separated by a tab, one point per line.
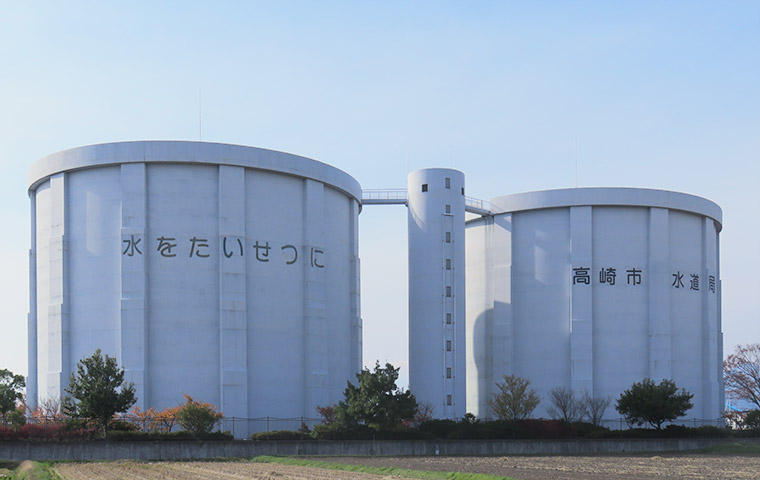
220	292
65	313
246	323
668	305
511	313
649	298
592	310
571	293
352	280
593	296
719	320
491	341
146	291
487	341
707	360
32	385
305	296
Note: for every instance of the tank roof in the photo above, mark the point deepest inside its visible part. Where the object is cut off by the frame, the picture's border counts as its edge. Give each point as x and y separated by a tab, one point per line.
603	196
186	152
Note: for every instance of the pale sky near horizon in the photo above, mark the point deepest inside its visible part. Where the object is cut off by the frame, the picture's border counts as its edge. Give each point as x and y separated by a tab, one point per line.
646	94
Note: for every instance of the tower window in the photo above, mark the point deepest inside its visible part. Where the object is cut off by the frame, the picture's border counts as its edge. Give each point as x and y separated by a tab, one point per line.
462	190
448	345
448	291
424	187
448	399
448	264
448	319
448	237
448	182
448	372
448	208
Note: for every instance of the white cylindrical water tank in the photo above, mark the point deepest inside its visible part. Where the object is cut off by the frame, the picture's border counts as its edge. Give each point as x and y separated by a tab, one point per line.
436	290
594	289
225	272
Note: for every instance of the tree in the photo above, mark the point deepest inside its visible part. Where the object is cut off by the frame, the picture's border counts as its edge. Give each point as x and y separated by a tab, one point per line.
99	390
11	392
654	404
741	373
564	405
197	417
423	414
594	407
514	401
376	402
327	413
752	419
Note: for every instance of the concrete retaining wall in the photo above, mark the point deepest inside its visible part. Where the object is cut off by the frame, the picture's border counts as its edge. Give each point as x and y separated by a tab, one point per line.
247	449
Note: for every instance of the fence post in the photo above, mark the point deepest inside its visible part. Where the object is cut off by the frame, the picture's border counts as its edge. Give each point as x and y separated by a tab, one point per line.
267	427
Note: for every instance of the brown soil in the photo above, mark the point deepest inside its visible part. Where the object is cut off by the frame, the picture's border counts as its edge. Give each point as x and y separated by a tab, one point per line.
656	467
641	467
129	470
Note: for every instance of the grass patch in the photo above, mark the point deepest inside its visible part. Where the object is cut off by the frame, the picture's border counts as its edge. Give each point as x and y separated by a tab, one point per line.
400	472
28	470
733	449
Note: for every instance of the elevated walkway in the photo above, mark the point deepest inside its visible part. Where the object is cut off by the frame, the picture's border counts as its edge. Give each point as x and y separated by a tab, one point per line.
397	196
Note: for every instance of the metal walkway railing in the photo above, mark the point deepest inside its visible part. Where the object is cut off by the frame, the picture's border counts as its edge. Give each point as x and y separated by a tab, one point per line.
388	196
397	196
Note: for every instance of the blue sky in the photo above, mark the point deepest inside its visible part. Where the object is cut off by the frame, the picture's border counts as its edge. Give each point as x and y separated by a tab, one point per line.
654	94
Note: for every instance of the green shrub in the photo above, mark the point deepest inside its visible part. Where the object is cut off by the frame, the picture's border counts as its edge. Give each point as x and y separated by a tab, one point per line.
122	426
198	418
16	419
281	435
750	433
710	431
752	419
339	432
438	428
139	436
589	430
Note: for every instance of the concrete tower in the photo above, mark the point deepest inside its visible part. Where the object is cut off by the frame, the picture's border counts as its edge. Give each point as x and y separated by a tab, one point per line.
436	290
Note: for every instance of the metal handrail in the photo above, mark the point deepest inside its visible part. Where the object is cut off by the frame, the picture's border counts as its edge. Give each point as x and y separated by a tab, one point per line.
398	196
384	194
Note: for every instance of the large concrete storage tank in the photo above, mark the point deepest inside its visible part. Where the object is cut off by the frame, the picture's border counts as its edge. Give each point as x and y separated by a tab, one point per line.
594	289
436	289
225	272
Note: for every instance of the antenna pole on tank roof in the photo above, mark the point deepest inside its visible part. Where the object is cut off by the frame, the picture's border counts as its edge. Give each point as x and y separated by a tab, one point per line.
199	115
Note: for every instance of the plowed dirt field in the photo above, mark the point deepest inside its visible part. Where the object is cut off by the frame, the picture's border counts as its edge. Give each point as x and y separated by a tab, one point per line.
653	467
522	468
200	471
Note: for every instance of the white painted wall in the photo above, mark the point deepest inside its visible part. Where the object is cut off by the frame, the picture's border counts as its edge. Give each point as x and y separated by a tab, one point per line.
526	317
437	293
274	334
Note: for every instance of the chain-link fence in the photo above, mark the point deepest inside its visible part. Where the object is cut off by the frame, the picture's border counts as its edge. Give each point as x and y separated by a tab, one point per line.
621	424
238	426
242	427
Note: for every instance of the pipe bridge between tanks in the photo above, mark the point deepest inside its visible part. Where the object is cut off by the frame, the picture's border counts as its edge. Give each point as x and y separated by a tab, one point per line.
398	196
